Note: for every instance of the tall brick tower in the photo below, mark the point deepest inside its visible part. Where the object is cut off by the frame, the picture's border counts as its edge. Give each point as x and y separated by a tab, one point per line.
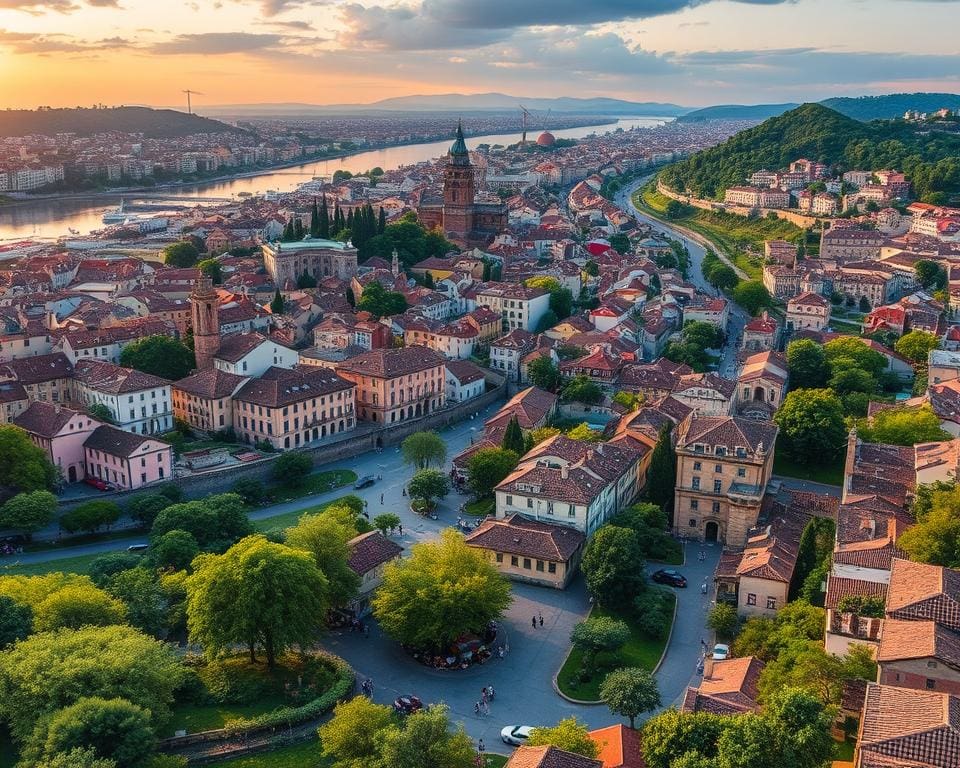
205	312
458	188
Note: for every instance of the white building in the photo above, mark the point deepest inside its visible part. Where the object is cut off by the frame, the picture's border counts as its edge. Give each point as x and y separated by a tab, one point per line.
138	402
251	354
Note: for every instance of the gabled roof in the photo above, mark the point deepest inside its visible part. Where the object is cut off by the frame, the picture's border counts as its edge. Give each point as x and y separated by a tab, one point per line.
731	432
730	688
620	746
46	419
918	591
517	535
117	442
549	757
369	550
211	383
901	640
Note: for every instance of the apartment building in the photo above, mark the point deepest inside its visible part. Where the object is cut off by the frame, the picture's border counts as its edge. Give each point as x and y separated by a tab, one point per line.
137	401
808	311
126	460
517	305
204	400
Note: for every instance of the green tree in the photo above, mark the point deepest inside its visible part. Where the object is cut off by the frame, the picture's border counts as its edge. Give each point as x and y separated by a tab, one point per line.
380	302
212	269
16	621
292	468
662	475
443	590
143	599
850	352
807	364
591	268
52	670
90	516
386	522
423	450
903	426
161	356
935	539
542	433
77	606
426	739
259	594
513	437
325	536
353	736
802	727
845	381
723	620
723	278
629	692
581	389
218	519
24	467
752	296
930	274
619	242
671	735
145	507
429	484
174	549
584	432
747	742
811	425
613	566
916	345
101	412
598	634
28	512
487	468
569	735
77	758
105	566
251	490
115	729
182	254
277	303
629	400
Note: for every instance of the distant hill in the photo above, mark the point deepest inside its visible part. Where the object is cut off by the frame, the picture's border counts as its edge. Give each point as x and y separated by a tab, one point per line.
460	102
737	112
153	123
930	159
864	108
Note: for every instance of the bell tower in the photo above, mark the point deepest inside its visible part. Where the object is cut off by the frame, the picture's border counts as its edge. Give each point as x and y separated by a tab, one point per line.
205	314
458	188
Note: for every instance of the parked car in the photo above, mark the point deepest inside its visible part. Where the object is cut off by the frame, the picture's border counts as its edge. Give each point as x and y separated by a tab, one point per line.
670	576
364	482
135	549
516	735
721	651
97	483
407	704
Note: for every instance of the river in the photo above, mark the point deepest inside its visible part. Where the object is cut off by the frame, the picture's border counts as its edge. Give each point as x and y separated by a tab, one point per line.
56	217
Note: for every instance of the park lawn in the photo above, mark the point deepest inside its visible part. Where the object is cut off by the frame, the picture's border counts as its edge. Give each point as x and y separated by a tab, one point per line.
496	761
480	508
289	519
639	651
830	474
318	482
306	755
674	558
65	541
731	233
79	564
195	718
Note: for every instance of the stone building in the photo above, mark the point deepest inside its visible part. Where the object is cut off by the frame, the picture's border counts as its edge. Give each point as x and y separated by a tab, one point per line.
286	262
205	319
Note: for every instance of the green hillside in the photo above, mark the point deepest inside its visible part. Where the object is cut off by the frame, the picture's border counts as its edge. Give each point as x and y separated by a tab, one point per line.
892	105
931	160
152	123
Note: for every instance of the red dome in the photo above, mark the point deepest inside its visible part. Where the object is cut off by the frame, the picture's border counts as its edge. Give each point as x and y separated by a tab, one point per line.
546	139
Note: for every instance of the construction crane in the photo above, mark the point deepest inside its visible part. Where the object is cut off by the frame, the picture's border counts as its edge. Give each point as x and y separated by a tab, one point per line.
191	93
526	113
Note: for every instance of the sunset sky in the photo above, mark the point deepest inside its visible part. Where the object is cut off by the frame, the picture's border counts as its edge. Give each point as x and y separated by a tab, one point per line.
689	52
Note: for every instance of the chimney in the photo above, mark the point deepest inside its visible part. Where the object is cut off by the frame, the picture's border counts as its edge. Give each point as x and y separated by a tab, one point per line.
564	472
589	454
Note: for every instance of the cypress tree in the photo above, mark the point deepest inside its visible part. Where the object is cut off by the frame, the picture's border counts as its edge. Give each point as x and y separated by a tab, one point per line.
276	306
513	437
324	218
662	476
337	218
287	235
315	220
297	229
382	222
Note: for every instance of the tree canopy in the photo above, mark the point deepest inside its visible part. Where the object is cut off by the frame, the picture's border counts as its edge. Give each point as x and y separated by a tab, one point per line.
544	373
569	735
903	426
487	468
629	692
161	356
916	345
258	594
28	512
325	536
424	449
935	539
380	302
582	390
752	296
443	590
24	467
807	364
182	254
662	475
613	566
811	425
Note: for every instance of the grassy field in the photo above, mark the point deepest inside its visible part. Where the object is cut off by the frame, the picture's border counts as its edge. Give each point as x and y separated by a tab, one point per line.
289	519
844	750
318	482
741	239
297	756
831	474
194	718
640	651
480	508
78	564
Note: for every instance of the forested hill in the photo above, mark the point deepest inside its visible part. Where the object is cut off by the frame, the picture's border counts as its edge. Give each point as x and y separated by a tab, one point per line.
931	160
153	123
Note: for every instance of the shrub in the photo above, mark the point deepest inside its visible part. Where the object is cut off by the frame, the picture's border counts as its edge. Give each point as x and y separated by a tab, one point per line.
250	490
654	608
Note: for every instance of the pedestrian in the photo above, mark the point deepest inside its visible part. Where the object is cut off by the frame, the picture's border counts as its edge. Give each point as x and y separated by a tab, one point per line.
486	708
703	588
381	499
379	477
490	692
401	529
366	631
476	707
500	651
541	619
480	748
404	490
534	622
483	693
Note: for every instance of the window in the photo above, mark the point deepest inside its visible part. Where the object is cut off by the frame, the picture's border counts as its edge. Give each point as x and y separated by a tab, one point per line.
693	522
499	557
510	501
717	485
718	469
751	599
694	504
741	471
771	603
697	466
549	507
513	561
526	563
529	503
552	567
931	684
931	665
696	483
540	565
716	507
571	511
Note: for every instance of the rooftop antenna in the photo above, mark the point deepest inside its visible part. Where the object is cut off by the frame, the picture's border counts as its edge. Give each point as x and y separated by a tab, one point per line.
525	113
189	93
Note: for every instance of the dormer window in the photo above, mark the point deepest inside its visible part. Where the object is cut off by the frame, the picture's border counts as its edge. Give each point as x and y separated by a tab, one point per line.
720	450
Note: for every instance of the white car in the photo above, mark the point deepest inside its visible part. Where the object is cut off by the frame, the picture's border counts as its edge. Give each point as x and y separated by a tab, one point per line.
516	735
721	652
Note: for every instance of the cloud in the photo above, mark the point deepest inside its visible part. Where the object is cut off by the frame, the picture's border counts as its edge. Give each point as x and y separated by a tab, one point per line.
29	43
37	7
300	25
216	43
405	29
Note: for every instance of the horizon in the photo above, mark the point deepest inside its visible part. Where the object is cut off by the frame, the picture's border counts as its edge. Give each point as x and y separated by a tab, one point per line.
690	53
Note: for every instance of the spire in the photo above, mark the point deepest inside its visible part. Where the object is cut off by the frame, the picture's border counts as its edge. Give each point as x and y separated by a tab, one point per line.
459	147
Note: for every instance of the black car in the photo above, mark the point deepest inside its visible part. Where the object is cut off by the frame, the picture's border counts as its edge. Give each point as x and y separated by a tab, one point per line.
669	576
407	704
364	482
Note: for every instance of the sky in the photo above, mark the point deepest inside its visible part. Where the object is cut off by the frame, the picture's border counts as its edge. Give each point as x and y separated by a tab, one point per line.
687	52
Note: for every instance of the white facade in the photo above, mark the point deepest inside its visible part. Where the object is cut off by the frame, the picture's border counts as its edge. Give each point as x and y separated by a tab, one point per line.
146	412
256	362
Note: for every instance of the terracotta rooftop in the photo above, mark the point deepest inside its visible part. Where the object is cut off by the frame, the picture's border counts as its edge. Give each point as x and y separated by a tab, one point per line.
917	640
517	535
46	419
369	550
729	689
924	592
282	386
117	442
104	376
549	757
839	588
620	746
390	363
211	383
530	406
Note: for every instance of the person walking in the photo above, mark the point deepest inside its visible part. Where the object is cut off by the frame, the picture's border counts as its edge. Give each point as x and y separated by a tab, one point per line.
401	529
381	499
480	748
541	619
476	707
490	692
533	621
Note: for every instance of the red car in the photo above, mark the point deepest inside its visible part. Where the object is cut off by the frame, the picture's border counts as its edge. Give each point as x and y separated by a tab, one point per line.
97	483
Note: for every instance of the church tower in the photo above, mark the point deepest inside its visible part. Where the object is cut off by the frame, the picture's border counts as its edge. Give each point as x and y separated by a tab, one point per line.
458	188
205	312
395	264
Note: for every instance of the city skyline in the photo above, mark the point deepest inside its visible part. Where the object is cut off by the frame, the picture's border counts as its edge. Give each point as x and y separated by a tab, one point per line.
79	52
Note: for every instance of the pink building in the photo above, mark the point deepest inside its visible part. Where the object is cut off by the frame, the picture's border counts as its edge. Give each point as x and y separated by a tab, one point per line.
127	460
60	432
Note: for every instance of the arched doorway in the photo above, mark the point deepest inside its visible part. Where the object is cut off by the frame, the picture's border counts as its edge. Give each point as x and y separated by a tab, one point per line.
758	394
711	531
